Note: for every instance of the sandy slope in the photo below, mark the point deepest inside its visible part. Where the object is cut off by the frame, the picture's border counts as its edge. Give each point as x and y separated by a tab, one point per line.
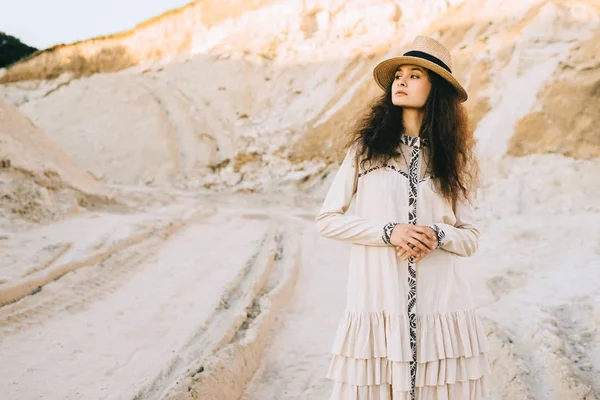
39	182
116	285
264	106
146	317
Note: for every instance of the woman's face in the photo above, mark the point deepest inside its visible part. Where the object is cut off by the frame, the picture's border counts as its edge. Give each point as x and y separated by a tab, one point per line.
411	86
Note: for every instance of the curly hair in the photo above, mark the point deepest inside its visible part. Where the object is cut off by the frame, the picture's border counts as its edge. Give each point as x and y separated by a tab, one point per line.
376	138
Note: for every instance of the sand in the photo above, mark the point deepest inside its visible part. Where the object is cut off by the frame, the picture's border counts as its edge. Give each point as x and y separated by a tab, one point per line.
157	201
239	296
263	107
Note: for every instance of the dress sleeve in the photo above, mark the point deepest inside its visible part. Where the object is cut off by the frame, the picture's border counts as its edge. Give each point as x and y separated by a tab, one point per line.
461	238
331	220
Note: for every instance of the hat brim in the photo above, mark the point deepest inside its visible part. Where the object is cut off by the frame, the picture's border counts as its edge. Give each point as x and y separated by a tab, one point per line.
384	73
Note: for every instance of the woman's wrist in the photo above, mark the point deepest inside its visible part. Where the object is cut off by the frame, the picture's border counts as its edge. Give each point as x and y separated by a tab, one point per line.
439	234
387	232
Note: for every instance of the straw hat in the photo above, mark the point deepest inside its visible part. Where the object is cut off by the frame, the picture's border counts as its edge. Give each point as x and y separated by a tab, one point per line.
425	52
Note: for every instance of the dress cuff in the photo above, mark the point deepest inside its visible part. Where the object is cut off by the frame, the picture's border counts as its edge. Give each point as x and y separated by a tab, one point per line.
439	233
387	232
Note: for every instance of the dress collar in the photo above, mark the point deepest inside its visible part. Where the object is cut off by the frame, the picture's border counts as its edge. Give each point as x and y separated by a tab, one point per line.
414	141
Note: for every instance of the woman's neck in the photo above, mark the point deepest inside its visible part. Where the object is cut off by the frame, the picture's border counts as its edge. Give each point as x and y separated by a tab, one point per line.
412	119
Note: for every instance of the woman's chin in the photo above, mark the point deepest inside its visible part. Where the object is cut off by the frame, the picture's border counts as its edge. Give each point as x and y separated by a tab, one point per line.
400	102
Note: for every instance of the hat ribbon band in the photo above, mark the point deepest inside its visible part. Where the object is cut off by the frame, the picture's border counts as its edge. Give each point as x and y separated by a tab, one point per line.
428	57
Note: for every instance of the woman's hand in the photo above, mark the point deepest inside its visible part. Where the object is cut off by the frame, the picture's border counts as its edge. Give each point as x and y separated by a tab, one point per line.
413	240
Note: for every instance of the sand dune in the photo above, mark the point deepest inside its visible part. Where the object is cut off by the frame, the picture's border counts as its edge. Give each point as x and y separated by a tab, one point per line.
265	106
38	181
157	197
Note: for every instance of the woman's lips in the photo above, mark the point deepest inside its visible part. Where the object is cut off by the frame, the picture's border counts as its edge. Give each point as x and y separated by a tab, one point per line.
400	92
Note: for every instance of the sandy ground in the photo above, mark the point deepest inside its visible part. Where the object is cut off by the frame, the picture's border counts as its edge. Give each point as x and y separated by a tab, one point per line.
535	278
236	296
116	285
167	287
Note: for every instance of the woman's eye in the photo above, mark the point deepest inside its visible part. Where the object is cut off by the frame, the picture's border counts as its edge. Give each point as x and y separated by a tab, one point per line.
412	76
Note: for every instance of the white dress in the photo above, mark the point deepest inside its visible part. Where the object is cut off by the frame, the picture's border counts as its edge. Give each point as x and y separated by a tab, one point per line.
410	330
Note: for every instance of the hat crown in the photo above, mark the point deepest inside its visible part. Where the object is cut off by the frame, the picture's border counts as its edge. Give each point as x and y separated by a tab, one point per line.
431	46
426	52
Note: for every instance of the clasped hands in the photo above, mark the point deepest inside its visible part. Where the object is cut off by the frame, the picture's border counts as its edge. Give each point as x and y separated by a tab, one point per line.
413	240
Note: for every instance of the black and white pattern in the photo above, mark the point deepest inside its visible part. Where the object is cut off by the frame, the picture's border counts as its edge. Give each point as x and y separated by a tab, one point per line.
387	232
413	178
414	141
392	167
409	141
371	170
413	170
439	233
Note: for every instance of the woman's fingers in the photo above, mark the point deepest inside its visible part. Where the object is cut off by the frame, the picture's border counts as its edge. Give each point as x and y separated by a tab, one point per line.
411	250
406	250
429	232
405	255
422	238
412	247
400	252
428	236
417	242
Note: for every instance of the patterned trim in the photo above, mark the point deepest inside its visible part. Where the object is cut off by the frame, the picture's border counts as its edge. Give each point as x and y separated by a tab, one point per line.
414	141
390	166
413	169
370	170
439	233
393	167
413	180
387	232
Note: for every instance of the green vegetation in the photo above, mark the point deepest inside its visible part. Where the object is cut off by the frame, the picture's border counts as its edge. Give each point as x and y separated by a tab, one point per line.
12	50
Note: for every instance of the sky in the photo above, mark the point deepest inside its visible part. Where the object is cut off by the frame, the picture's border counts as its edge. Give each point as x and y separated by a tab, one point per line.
44	23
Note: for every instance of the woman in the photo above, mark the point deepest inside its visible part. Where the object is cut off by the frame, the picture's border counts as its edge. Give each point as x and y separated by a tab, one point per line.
410	329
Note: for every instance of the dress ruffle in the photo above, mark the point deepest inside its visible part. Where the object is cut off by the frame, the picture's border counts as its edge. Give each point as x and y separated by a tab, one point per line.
377	371
471	390
366	335
381	334
371	356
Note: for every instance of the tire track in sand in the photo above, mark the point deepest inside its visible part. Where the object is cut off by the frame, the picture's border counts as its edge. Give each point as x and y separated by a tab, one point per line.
222	325
296	361
231	347
88	283
119	344
561	347
577	330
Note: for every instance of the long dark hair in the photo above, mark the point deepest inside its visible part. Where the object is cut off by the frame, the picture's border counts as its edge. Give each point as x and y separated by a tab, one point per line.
446	125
